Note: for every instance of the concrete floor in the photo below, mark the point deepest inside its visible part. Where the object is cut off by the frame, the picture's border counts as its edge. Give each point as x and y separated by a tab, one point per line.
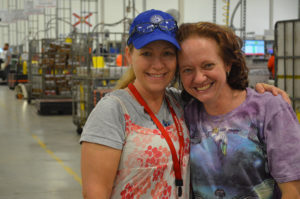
39	155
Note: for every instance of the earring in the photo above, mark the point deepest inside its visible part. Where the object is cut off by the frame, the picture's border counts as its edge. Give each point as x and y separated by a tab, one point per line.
227	74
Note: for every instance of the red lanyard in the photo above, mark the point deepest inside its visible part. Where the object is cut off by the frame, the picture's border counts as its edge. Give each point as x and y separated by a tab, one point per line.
176	161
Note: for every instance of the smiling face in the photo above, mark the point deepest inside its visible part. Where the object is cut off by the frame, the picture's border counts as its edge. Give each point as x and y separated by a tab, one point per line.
202	70
154	66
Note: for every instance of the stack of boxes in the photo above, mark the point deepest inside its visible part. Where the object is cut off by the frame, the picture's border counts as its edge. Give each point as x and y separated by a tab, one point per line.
57	69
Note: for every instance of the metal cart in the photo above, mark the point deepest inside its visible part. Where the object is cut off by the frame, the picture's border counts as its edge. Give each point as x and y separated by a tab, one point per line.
287	60
96	72
49	72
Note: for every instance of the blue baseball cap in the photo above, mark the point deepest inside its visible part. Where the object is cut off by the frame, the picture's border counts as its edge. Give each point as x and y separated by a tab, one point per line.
155	17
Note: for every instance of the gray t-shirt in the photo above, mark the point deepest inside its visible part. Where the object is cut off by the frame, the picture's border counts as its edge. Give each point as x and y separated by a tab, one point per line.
106	123
146	167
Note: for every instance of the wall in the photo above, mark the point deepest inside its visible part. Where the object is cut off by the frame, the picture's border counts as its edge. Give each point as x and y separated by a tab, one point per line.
194	10
202	10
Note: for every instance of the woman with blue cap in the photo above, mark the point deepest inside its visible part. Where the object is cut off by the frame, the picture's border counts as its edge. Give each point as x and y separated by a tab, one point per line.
135	143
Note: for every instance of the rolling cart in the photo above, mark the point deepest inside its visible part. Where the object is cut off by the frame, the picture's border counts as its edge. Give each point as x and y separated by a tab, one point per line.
96	74
50	71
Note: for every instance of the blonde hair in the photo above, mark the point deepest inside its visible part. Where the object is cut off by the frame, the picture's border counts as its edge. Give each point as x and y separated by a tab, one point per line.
128	77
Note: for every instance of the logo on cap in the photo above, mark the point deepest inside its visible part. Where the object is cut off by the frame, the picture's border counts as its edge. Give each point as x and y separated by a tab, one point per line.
156	19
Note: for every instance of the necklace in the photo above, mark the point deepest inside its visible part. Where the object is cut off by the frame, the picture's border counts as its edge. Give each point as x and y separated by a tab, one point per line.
216	125
218	131
164	115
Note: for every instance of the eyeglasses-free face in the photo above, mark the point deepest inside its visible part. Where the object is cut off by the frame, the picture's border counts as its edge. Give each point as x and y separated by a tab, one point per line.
164	25
154	66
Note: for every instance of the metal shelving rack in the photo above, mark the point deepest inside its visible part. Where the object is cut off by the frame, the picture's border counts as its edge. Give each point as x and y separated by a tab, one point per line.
225	8
50	23
34	56
50	65
89	10
83	80
287	59
4	27
50	72
21	27
14	28
15	74
64	13
33	26
243	9
96	74
11	5
93	78
58	20
5	32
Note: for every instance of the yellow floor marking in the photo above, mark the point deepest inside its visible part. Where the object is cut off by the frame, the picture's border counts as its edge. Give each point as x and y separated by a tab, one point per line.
68	169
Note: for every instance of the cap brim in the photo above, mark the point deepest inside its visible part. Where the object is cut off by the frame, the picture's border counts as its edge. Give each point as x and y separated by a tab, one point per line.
154	36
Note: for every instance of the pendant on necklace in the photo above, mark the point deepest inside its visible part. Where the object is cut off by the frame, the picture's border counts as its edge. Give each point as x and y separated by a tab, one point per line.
166	123
215	130
224	148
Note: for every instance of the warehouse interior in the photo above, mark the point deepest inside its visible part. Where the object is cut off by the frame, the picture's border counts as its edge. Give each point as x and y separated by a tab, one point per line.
67	54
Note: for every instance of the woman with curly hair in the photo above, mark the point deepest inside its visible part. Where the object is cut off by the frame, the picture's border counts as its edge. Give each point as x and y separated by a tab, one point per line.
243	144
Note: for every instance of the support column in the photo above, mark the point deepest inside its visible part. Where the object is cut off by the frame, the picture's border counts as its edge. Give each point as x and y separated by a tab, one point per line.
181	10
271	14
145	6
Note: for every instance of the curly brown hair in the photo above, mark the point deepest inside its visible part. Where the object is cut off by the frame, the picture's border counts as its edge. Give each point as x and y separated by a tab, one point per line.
230	49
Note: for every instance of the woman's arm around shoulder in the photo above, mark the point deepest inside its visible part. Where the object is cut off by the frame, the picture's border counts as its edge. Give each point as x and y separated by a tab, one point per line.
99	166
261	88
290	190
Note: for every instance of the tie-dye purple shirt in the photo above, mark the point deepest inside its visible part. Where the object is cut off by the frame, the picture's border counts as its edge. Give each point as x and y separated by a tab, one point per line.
243	153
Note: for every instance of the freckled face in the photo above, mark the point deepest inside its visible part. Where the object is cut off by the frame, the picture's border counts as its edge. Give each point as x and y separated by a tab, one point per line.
202	70
154	66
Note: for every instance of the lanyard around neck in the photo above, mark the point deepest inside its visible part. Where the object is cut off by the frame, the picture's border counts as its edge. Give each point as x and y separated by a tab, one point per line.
176	160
